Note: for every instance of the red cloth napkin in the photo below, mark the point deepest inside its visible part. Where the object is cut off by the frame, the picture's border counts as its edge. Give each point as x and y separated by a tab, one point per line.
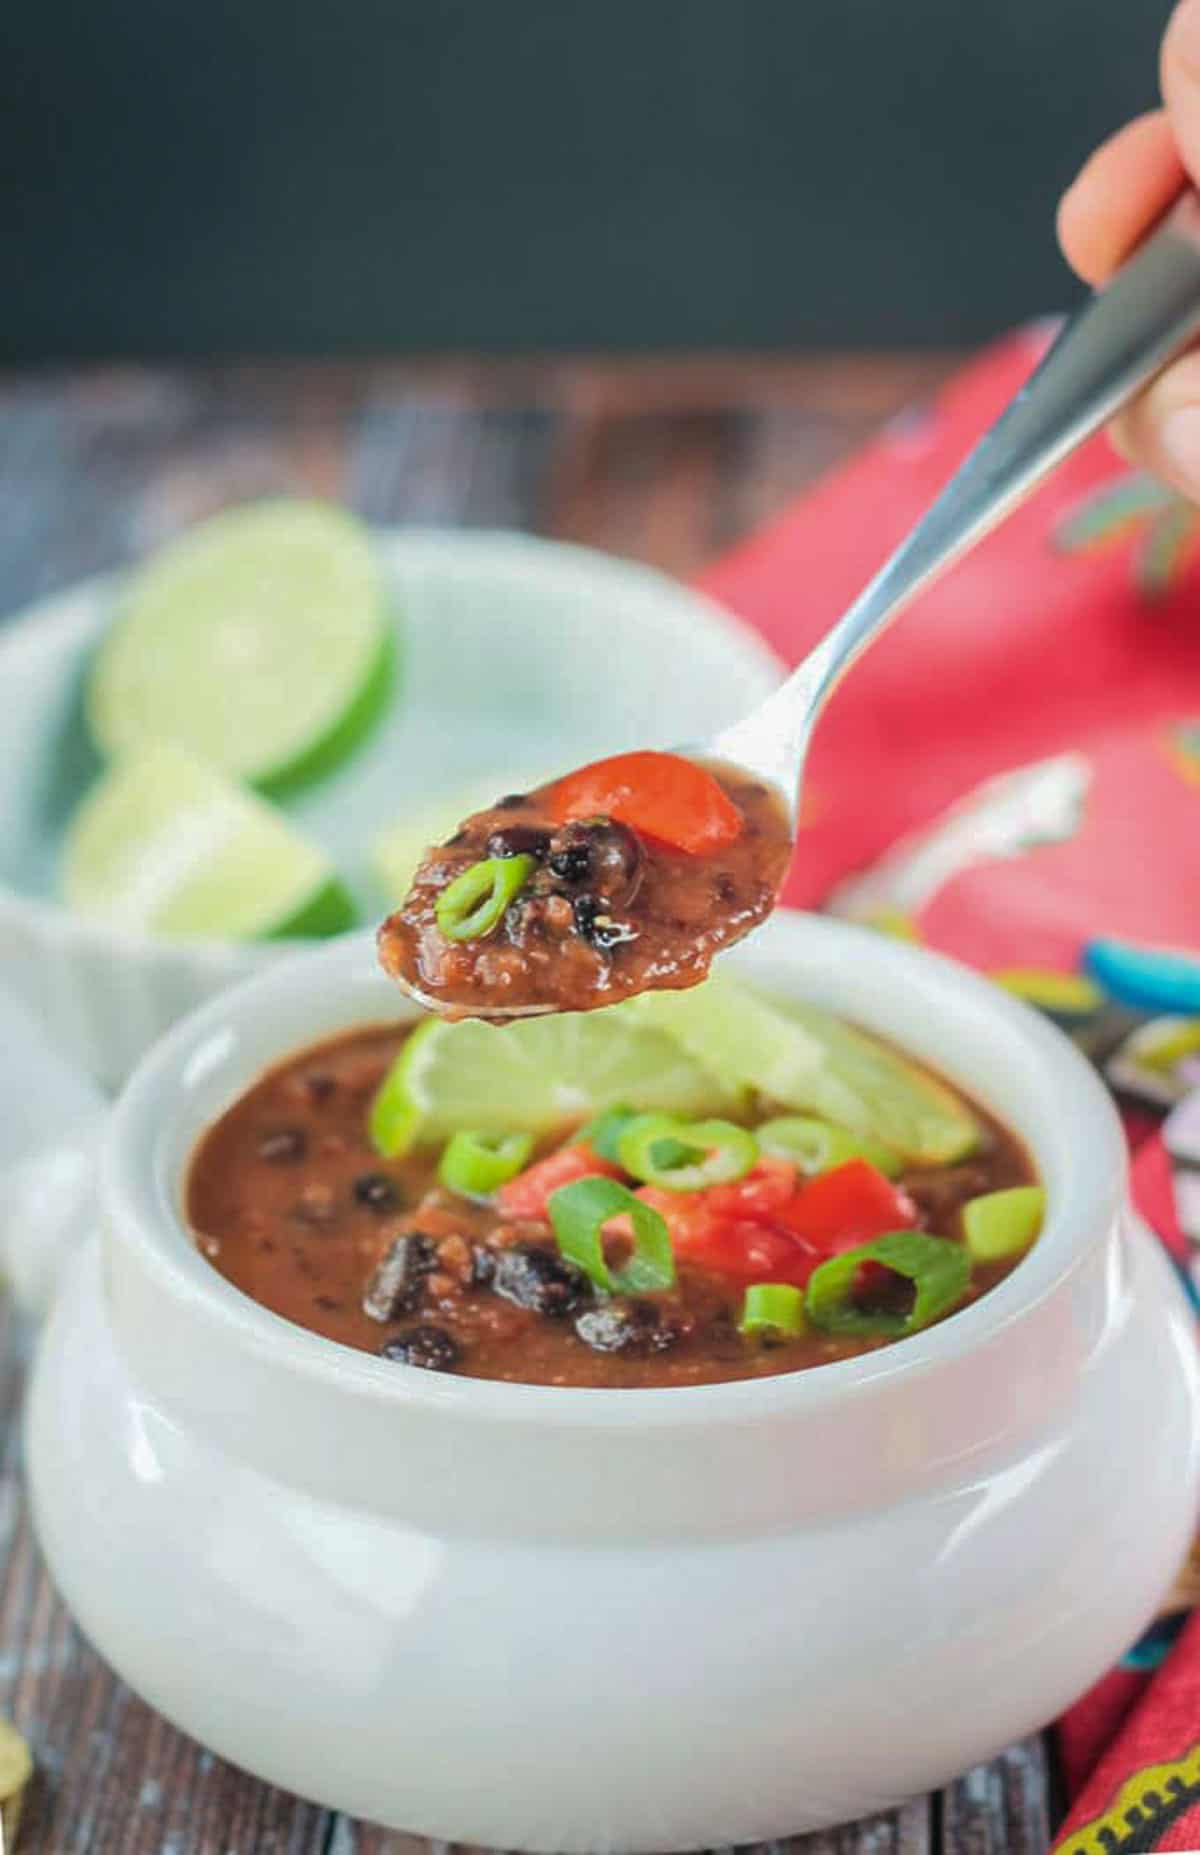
1011	773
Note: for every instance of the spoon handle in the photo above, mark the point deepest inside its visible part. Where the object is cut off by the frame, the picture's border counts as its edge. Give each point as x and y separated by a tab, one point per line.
1111	348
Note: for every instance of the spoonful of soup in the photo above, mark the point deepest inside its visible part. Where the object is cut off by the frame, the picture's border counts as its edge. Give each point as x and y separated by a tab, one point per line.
633	873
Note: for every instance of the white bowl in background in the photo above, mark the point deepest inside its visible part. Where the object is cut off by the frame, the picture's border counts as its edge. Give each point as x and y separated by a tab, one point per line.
514	653
530	1618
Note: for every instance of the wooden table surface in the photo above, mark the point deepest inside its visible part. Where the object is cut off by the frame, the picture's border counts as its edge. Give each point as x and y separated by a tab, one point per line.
666	462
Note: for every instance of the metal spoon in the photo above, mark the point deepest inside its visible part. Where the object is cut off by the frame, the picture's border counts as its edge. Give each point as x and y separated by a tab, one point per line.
1104	355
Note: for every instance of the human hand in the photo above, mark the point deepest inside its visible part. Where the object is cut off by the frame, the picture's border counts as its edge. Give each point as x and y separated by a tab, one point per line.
1118	195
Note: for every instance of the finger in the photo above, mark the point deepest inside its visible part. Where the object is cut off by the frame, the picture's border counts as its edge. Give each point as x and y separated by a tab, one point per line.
1161	430
1119	193
1180	73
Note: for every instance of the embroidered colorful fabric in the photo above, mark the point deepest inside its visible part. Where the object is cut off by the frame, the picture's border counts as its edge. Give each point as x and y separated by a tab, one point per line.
1013	777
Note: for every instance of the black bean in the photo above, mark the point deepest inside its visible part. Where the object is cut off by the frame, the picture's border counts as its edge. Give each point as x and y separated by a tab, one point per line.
602	852
430	1347
483	1265
539	1280
377	1191
511	802
519	840
595	925
395	1286
284	1147
627	1327
571	862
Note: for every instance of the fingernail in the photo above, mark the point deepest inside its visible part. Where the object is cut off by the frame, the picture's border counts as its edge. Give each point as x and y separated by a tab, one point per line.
1184	33
1180	441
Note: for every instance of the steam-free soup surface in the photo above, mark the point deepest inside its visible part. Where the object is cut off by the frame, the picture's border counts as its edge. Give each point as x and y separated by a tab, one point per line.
289	1201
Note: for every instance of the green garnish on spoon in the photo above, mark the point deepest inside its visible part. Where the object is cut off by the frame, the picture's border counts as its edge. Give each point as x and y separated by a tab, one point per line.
475	902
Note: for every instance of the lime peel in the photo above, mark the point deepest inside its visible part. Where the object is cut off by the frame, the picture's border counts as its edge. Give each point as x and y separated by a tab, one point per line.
165	845
259	641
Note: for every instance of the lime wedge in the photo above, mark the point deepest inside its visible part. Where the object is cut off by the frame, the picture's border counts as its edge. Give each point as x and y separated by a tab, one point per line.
164	844
532	1076
804	1058
397	851
259	642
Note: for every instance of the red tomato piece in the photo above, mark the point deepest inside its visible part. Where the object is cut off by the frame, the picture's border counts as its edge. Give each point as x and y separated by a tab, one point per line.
759	1193
663	795
687	1215
758	1252
526	1195
847	1206
730	1228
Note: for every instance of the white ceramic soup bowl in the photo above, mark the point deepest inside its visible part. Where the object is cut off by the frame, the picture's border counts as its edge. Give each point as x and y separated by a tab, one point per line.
501	639
581	1620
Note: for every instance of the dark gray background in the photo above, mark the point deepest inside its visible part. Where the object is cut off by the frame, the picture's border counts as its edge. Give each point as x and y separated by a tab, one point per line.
256	176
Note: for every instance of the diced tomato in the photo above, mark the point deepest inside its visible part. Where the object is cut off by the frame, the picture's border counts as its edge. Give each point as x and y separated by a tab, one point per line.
731	1228
526	1195
846	1206
663	795
765	1189
687	1215
757	1252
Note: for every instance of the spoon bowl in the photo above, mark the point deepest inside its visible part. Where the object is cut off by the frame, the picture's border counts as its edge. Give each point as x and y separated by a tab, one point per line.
1112	348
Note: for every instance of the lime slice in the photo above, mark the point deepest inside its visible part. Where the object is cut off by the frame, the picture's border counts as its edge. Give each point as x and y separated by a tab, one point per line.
164	844
534	1075
259	642
804	1058
397	851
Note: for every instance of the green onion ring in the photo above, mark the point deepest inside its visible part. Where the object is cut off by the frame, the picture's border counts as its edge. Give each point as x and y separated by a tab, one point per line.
1001	1225
818	1146
476	1164
939	1270
475	902
579	1213
773	1307
603	1133
656	1148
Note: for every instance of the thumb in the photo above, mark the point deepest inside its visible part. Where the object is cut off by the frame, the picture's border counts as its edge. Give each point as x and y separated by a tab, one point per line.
1161	430
1181	81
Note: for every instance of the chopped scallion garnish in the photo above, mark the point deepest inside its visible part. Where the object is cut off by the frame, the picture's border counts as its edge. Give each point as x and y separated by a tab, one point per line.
477	1164
773	1307
579	1213
685	1156
938	1270
818	1146
475	902
1003	1224
603	1133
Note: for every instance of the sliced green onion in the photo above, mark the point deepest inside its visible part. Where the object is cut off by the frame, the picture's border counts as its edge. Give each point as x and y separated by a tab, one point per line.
773	1307
476	1164
938	1269
474	903
819	1146
685	1156
603	1133
1003	1224
579	1213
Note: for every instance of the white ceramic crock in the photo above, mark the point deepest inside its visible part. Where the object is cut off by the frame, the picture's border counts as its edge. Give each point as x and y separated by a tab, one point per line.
496	632
585	1620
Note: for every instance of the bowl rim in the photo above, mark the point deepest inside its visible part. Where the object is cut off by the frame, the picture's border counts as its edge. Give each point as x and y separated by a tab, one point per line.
72	609
140	1206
